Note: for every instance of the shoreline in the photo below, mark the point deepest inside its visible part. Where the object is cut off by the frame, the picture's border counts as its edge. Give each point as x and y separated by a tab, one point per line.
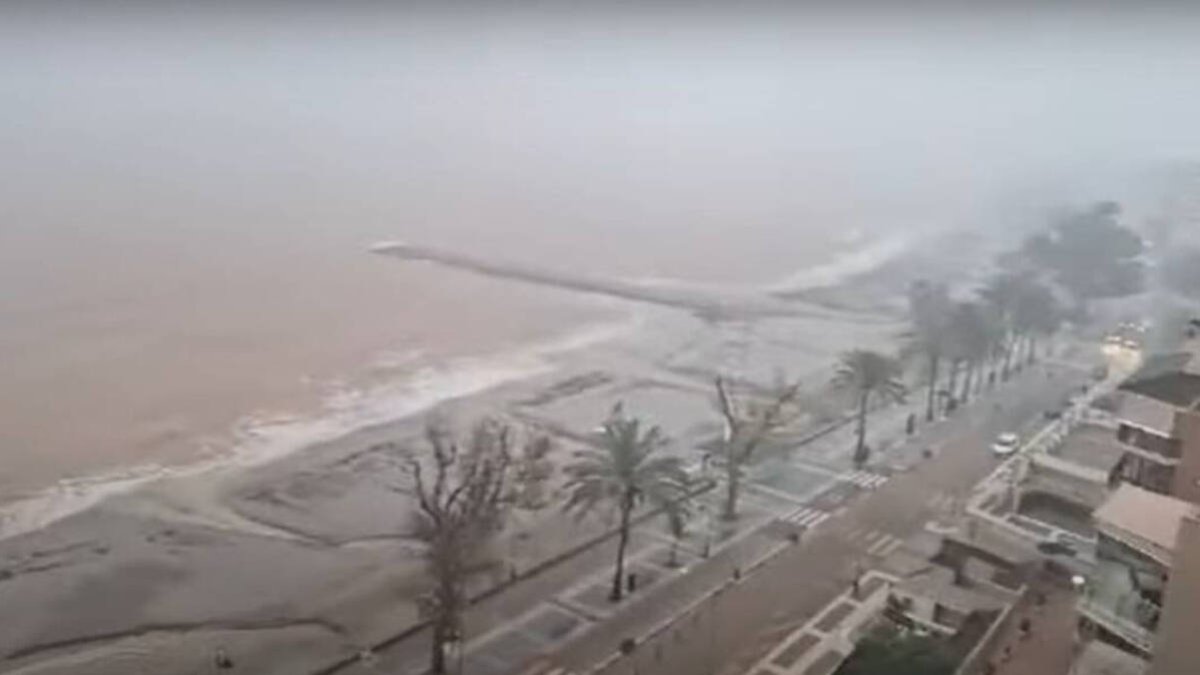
260	439
331	508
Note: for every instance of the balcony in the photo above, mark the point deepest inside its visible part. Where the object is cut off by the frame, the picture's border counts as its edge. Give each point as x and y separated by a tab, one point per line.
1153	447
1113	602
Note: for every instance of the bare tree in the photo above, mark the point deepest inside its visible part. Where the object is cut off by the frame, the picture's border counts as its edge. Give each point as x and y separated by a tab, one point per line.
749	422
464	493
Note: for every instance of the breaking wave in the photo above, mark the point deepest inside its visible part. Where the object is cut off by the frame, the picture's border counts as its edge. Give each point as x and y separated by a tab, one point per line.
259	439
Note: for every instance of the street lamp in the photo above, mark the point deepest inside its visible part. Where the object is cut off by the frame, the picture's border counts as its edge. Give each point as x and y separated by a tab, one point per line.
704	465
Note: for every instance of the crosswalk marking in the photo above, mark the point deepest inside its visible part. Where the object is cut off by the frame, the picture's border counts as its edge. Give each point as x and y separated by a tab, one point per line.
873	537
853	536
864	479
885	546
807	517
942	501
875	542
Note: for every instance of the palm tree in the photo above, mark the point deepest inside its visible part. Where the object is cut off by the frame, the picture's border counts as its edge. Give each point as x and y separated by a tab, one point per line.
624	468
928	306
993	340
866	373
969	334
1037	312
1001	294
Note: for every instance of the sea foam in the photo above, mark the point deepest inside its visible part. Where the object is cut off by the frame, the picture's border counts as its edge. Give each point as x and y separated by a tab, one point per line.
262	438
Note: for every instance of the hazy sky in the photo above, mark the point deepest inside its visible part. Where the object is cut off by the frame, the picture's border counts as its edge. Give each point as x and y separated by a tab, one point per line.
187	195
302	117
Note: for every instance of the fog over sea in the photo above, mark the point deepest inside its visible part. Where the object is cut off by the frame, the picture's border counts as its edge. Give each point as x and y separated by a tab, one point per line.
188	199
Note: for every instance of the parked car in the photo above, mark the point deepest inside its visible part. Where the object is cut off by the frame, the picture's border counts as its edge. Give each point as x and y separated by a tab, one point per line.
1055	547
1005	444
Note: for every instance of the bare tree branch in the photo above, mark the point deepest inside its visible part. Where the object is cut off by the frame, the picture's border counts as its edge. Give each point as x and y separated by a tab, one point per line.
460	508
748	425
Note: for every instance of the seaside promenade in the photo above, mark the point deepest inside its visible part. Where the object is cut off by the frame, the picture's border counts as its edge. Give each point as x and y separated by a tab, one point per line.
808	519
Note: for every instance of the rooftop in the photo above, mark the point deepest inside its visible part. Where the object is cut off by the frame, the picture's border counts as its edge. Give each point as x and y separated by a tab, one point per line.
1144	411
1146	520
986	543
1171	377
1091	445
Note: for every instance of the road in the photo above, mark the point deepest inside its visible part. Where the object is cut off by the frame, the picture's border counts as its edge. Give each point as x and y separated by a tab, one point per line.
742	623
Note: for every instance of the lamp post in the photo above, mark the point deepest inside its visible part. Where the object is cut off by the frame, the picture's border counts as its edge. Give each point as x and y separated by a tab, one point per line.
704	465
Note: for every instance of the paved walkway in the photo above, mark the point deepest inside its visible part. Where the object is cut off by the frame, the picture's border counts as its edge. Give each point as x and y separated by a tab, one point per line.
812	490
782	497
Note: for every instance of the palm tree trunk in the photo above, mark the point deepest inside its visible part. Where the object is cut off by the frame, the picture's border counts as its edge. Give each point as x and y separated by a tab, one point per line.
733	488
952	384
933	376
622	543
1008	351
860	450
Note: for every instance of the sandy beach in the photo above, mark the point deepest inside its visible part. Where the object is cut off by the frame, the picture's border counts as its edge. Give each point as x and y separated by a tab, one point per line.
299	561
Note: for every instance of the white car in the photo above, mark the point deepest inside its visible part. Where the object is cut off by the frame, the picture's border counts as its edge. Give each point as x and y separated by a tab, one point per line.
1006	444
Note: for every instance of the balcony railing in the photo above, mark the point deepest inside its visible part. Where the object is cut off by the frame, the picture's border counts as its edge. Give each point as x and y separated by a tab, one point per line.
1152	446
1126	628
